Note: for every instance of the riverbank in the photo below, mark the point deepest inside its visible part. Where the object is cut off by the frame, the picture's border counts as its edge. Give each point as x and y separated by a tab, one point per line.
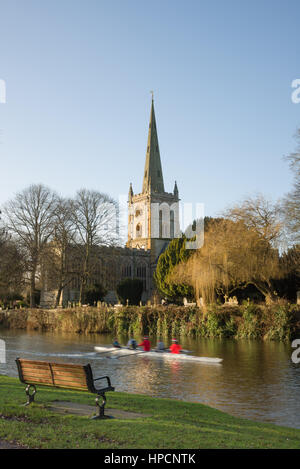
167	423
280	321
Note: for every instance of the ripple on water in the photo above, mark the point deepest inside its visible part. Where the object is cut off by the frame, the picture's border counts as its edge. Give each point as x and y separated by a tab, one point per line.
256	380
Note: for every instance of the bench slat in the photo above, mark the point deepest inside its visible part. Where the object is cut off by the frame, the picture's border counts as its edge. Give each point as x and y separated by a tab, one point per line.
47	372
70	378
37	375
28	366
35	379
70	384
39	364
66	386
78	373
37	372
42	362
36	363
48	378
76	379
67	365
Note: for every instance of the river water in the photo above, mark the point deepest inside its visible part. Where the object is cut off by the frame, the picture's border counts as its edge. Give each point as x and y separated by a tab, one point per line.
256	380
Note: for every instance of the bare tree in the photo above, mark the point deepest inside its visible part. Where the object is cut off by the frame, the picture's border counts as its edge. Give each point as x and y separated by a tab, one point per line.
57	257
95	216
12	270
11	265
29	218
3	232
260	215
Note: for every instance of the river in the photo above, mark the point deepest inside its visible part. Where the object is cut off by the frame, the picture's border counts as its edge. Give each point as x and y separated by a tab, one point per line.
256	380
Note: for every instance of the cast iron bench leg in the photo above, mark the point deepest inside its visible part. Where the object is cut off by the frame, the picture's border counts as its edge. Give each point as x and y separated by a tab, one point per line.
101	407
30	396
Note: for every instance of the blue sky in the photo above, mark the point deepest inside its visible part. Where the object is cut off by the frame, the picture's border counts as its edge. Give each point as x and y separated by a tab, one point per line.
79	75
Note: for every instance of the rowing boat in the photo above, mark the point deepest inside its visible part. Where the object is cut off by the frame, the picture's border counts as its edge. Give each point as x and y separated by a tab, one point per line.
157	354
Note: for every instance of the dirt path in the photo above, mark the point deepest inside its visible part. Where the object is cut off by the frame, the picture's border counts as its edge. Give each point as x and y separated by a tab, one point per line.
5	445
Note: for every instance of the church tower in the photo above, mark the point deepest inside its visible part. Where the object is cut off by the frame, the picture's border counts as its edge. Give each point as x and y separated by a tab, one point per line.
153	214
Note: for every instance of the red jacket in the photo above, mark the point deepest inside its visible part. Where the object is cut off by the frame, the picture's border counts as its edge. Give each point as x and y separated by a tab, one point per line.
175	348
146	344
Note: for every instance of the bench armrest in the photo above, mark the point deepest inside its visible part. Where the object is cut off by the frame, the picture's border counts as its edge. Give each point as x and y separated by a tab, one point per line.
104	377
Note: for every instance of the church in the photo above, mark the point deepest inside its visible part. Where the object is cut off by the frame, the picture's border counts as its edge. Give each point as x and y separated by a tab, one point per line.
153	220
153	214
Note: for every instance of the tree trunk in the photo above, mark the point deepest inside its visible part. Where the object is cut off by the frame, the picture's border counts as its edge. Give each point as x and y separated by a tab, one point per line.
57	300
267	291
32	289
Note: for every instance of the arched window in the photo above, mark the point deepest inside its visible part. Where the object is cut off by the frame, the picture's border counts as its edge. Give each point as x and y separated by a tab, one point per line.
141	273
138	230
160	223
126	271
172	224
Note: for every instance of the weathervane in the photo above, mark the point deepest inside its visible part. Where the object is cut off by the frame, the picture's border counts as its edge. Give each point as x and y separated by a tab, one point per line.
152	92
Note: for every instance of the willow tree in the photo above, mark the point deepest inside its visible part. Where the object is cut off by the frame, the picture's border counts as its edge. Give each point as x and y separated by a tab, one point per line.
233	256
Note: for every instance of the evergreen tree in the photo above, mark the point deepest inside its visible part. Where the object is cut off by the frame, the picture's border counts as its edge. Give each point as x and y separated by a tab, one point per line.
94	293
130	289
173	255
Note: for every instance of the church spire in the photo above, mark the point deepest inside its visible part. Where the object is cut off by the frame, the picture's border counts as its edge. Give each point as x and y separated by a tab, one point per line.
153	177
175	191
130	193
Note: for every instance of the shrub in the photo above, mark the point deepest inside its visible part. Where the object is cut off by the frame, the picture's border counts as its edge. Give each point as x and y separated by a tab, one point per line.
94	293
131	290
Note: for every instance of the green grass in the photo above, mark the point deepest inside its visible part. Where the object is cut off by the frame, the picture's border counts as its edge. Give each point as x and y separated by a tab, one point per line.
172	424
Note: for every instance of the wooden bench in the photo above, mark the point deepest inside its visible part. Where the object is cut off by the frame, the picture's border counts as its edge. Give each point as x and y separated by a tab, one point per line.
61	375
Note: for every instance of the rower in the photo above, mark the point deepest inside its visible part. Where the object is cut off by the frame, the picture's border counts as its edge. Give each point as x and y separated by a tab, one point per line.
175	347
116	343
145	344
132	344
160	345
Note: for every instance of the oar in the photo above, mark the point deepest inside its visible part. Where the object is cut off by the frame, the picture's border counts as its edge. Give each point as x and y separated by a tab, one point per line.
109	351
127	355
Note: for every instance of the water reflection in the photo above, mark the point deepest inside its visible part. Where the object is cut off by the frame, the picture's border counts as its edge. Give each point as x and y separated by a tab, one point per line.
256	379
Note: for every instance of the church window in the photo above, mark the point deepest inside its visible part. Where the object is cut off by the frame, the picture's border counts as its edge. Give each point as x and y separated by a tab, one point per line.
145	174
160	224
138	230
148	149
137	213
171	223
126	271
141	273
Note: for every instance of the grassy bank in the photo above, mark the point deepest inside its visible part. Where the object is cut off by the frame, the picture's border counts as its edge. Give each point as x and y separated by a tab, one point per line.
169	424
269	322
